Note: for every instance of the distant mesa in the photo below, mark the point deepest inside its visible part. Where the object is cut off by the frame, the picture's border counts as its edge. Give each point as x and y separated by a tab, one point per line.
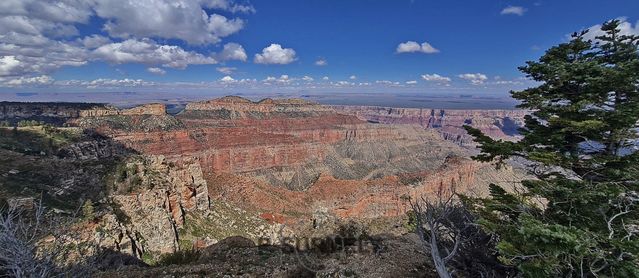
266	101
229	99
242	107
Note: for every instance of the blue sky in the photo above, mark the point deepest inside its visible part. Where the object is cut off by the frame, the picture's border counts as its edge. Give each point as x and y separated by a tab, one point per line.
434	47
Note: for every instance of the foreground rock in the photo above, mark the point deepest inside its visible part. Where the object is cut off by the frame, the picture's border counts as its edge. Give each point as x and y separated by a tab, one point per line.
391	257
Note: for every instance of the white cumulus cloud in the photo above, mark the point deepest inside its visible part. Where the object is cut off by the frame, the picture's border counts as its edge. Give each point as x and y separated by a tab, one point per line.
343	83
226	70
412	46
233	51
321	62
37	54
149	52
9	65
474	78
275	54
283	79
387	82
94	41
229	5
29	81
106	83
38	37
157	71
186	20
227	79
514	10
435	78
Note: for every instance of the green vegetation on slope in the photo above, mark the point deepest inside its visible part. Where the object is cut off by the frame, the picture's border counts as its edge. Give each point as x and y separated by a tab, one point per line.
37	139
30	166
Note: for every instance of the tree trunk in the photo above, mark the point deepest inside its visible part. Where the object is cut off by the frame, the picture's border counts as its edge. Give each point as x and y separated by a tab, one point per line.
440	265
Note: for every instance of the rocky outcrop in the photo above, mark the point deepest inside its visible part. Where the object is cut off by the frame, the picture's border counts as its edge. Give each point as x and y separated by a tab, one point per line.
48	112
146	109
164	206
92	150
44	109
59	113
150	204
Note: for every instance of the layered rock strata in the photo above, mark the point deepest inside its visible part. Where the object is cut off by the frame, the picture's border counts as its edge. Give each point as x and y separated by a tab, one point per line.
288	159
501	124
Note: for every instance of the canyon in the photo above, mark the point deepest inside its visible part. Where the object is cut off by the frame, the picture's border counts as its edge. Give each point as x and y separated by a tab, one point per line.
258	169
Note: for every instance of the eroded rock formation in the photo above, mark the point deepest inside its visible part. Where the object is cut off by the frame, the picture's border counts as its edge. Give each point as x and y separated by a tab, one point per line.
153	200
146	109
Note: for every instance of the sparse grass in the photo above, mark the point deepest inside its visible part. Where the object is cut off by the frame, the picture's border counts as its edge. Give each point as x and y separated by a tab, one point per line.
149	258
126	177
185	244
179	257
226	221
410	221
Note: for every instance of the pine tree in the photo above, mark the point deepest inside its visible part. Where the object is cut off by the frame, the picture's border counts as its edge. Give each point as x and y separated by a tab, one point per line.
580	215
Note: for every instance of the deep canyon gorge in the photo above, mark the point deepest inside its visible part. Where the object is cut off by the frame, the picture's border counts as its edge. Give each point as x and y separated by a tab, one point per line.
229	167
